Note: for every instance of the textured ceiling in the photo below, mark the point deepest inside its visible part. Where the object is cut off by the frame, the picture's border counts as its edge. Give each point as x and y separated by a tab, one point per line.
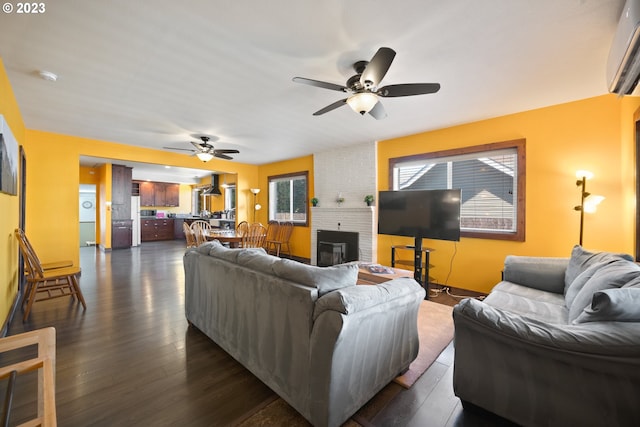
154	73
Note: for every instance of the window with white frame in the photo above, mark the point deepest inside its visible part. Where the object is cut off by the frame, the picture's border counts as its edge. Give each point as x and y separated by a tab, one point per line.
492	182
230	197
288	198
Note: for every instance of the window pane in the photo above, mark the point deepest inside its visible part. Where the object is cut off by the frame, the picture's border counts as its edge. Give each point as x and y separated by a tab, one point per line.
487	179
288	198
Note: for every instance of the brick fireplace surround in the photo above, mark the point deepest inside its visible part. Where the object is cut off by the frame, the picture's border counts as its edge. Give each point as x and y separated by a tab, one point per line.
351	173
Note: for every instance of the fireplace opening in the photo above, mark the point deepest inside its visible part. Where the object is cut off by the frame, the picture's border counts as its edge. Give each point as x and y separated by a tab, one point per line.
331	253
336	247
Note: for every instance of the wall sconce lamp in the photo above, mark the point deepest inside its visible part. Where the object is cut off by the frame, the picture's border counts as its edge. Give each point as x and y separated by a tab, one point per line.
588	201
256	206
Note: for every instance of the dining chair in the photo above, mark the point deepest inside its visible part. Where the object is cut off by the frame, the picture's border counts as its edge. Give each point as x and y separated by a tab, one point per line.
242	228
199	230
280	243
255	236
46	284
189	235
205	225
272	234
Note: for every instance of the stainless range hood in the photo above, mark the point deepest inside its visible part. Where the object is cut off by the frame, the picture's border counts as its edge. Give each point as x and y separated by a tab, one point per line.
214	190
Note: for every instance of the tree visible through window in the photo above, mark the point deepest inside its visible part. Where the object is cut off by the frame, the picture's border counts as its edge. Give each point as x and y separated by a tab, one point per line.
288	198
491	179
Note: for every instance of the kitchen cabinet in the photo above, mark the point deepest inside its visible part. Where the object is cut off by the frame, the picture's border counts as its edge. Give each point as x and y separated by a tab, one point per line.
147	193
159	194
121	234
120	192
157	229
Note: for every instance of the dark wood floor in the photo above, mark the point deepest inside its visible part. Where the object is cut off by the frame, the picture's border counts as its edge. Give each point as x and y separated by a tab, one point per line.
132	360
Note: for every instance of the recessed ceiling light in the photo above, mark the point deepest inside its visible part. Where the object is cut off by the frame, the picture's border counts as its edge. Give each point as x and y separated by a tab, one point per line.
48	75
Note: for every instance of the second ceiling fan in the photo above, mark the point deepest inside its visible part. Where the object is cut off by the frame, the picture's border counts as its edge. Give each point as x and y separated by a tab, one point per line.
363	86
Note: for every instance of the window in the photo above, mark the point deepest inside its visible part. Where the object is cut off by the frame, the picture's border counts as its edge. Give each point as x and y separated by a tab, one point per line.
288	198
491	178
230	197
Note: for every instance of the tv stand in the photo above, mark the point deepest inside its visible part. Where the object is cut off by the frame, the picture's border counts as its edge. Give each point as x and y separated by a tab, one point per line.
417	263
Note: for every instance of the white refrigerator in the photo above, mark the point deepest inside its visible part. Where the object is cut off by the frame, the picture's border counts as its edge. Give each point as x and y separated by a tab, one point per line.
135	220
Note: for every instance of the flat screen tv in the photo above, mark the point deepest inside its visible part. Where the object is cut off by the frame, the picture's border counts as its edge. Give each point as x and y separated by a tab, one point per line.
430	214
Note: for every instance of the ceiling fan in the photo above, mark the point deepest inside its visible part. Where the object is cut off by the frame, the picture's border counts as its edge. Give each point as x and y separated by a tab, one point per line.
206	151
363	86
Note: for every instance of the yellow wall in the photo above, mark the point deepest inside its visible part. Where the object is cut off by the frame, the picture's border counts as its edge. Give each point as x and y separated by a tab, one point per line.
54	164
9	207
301	237
559	140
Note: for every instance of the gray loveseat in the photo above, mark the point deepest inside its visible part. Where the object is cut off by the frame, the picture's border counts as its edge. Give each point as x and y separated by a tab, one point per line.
556	343
325	345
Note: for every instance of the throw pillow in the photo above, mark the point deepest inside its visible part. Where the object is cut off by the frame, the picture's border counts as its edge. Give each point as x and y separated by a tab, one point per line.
325	279
582	259
613	305
609	276
577	284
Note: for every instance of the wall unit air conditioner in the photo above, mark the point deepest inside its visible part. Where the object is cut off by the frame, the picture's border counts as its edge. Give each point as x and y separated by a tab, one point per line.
623	67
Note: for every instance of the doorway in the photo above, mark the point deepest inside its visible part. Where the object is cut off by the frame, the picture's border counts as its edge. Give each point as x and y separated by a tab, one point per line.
87	214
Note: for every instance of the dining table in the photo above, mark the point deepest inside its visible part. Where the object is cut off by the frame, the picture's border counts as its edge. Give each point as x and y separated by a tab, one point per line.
232	237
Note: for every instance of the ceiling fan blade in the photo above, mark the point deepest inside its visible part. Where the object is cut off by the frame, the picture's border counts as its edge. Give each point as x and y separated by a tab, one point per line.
181	149
408	89
378	112
318	83
222	156
200	146
377	67
331	107
226	151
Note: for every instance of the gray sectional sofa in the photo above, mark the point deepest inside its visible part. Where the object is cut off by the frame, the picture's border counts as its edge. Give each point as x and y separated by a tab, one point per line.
555	343
325	345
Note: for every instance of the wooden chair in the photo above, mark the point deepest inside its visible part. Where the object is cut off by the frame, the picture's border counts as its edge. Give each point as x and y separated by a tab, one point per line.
242	228
198	230
44	362
20	234
280	243
189	235
273	227
205	225
46	284
255	236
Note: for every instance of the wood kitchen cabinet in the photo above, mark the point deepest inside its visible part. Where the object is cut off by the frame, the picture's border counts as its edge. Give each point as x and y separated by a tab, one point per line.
121	234
120	192
156	229
160	194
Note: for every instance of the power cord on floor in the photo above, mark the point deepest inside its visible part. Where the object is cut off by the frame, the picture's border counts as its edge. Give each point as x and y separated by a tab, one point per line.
444	288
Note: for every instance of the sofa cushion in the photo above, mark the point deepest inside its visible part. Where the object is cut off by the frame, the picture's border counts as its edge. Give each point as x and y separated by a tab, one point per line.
578	283
257	259
582	259
357	298
609	276
325	279
218	250
613	305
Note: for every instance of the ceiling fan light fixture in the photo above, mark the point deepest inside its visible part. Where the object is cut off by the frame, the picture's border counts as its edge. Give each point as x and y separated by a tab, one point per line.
205	157
362	102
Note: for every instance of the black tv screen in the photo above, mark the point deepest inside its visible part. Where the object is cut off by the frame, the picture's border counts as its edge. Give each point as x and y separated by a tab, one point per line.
430	214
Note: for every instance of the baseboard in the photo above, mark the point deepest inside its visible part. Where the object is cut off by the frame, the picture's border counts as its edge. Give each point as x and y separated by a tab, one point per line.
11	314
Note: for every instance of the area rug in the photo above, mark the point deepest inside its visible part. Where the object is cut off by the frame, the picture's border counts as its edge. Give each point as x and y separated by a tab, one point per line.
435	329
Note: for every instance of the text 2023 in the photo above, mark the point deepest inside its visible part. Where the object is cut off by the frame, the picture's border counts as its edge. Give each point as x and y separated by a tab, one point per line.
30	7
